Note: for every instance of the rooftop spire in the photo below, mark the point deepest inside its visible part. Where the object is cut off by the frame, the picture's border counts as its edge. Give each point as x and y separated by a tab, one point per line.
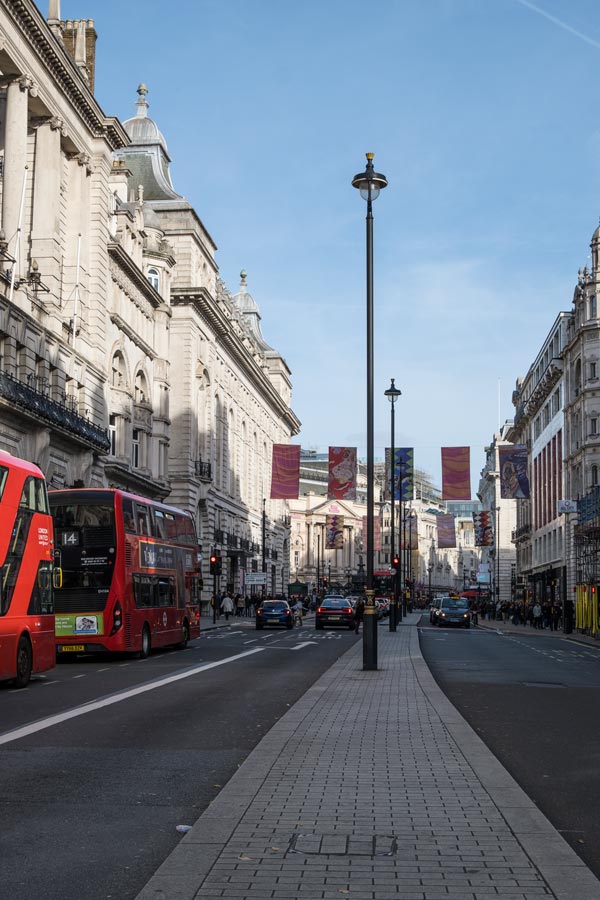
142	103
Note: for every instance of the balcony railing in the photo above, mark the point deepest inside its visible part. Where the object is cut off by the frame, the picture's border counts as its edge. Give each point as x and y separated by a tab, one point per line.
61	414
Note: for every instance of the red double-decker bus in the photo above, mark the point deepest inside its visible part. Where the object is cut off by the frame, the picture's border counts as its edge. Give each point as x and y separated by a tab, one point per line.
26	560
130	572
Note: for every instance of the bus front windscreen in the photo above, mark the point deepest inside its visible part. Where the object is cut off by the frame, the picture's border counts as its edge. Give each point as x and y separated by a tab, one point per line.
86	539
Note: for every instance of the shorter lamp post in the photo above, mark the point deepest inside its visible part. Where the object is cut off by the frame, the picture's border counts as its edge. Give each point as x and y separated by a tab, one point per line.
392	394
348	574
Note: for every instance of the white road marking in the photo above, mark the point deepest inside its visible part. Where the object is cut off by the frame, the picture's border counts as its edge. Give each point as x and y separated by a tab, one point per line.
26	730
304	644
252	641
105	669
80	676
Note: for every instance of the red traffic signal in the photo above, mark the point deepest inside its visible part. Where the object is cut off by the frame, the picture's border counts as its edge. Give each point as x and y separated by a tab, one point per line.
396	561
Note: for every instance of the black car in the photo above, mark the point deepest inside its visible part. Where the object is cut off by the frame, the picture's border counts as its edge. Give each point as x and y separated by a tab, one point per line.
274	612
335	611
454	611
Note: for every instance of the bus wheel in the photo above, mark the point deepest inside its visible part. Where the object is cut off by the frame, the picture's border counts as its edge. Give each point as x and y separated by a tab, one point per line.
185	636
24	663
145	651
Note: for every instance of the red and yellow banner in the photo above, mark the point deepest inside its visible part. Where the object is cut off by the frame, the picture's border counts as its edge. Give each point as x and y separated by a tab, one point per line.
456	473
446	531
285	474
342	473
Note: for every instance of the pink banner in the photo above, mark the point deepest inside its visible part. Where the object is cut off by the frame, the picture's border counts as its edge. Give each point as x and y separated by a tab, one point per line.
334	531
446	531
456	473
285	475
376	533
342	473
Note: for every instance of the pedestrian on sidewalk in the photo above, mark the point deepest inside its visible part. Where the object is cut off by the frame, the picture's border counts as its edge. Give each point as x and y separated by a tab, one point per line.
537	615
359	612
227	606
240	605
298	611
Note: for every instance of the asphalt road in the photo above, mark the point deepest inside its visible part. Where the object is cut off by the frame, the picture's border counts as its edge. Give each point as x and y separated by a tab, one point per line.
534	701
90	801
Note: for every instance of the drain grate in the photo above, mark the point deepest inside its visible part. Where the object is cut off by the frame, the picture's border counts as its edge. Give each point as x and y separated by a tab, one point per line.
343	845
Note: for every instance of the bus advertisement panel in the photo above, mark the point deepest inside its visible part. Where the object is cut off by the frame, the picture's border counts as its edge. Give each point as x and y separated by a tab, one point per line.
26	561
130	572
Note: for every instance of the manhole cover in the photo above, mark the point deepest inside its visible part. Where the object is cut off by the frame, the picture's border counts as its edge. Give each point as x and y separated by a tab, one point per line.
343	845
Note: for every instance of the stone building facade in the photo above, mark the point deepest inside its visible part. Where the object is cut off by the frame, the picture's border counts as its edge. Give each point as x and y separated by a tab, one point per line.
499	560
124	359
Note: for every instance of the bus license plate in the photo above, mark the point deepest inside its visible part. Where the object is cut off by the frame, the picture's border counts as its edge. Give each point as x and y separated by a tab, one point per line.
273	621
72	648
334	618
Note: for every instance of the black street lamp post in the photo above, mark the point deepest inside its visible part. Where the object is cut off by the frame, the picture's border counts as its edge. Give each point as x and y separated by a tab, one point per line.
370	183
392	394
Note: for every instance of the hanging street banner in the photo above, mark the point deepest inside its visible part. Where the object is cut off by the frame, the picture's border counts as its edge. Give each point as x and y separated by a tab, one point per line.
342	473
334	532
446	531
376	533
456	473
403	481
285	474
514	483
484	531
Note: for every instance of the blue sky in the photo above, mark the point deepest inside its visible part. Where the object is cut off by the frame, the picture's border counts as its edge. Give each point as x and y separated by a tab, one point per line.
481	113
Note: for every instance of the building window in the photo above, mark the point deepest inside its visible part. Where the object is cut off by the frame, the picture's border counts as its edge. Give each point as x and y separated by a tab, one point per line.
112	433
593	370
593	307
118	374
135	448
594	475
141	387
594	425
154	278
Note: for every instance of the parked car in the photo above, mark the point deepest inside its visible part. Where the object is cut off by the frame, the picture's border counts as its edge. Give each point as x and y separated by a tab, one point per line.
274	612
434	609
454	611
384	605
335	611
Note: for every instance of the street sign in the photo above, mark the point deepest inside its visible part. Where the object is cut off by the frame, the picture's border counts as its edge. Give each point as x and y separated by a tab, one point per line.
256	578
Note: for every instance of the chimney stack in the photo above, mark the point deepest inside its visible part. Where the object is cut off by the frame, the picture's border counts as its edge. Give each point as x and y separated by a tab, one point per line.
79	38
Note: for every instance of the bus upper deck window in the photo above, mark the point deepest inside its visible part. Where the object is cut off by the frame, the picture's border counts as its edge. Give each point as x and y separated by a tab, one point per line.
3	479
128	517
28	495
143	519
41	496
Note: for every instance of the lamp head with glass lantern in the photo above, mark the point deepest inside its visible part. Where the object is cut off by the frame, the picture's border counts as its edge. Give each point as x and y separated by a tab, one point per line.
369	182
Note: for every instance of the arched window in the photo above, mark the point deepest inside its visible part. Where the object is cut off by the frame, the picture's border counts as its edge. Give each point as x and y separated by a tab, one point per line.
154	278
141	388
118	372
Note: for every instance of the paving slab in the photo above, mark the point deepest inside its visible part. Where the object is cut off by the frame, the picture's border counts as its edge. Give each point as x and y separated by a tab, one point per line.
373	787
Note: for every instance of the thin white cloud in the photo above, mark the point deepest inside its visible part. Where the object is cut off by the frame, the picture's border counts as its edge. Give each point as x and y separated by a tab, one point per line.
559	22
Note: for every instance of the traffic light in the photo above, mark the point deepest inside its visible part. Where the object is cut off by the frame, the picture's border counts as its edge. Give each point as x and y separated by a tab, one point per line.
396	561
324	581
214	563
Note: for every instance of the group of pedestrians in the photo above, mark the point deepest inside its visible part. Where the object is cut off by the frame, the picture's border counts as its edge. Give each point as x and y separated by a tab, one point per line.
534	614
230	605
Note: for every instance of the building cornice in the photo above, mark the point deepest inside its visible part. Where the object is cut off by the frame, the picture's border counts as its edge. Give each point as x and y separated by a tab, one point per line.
205	305
126	265
35	31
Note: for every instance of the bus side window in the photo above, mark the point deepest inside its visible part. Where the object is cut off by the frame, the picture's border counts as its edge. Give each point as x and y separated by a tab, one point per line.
160	524
143	591
166	591
28	496
128	517
143	519
3	479
41	496
171	526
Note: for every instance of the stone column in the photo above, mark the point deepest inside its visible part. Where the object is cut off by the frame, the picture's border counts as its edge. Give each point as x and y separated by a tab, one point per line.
15	156
45	247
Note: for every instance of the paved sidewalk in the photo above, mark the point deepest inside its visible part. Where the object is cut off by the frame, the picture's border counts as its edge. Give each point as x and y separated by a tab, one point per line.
373	787
528	631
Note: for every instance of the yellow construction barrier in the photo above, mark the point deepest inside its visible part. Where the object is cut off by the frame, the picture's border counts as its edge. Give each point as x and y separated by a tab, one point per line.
586	607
